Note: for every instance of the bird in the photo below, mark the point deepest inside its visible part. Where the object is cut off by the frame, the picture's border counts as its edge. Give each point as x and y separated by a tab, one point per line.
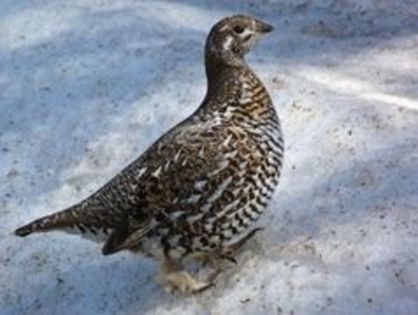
197	191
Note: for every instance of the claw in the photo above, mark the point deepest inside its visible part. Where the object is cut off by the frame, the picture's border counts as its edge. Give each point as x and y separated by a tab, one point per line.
203	287
174	279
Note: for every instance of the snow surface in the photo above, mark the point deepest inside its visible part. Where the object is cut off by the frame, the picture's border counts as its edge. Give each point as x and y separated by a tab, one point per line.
86	86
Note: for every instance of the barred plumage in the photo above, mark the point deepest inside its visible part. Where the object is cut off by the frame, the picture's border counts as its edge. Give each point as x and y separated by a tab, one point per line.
197	189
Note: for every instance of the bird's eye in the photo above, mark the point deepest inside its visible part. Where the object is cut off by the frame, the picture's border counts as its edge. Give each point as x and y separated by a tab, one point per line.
238	29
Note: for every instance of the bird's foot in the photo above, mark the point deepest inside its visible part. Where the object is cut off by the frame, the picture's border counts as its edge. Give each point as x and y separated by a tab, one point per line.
176	280
183	283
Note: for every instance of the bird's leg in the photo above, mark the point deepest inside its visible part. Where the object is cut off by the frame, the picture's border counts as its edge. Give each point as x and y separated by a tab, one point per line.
228	252
174	278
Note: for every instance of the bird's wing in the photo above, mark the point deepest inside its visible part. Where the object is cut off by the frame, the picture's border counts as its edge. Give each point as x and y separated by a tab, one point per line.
166	182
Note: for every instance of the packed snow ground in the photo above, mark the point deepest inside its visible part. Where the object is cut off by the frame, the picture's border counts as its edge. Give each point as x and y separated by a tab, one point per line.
86	86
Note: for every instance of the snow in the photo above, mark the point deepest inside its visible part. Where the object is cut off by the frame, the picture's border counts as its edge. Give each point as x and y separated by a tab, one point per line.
88	85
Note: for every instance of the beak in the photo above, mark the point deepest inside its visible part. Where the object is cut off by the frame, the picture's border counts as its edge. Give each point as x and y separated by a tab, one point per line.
262	27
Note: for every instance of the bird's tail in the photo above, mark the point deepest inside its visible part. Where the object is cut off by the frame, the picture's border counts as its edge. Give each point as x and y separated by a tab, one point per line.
58	220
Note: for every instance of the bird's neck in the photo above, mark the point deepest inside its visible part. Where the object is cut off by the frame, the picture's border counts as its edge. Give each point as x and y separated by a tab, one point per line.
218	66
234	89
223	76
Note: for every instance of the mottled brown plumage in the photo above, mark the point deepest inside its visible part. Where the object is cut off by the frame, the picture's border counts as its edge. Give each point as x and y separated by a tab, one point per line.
197	190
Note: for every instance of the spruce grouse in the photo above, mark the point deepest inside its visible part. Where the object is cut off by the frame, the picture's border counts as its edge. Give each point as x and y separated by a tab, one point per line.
199	188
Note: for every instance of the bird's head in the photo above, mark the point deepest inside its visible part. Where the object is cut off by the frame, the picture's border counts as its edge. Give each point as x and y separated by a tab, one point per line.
232	37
